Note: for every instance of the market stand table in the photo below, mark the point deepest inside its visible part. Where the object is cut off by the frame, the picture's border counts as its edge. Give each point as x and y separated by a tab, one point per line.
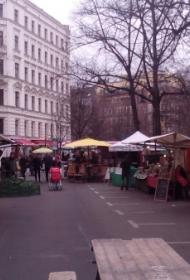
138	259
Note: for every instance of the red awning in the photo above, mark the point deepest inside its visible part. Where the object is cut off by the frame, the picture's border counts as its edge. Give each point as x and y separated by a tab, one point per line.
24	142
42	142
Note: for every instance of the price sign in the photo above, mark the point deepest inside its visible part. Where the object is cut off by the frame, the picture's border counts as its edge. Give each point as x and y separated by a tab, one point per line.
162	188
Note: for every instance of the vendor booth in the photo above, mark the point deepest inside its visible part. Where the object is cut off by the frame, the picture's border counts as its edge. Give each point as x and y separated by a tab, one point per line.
86	161
169	177
135	153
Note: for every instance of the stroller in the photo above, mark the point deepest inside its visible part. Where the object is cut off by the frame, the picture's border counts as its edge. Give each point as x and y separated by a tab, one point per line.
55	183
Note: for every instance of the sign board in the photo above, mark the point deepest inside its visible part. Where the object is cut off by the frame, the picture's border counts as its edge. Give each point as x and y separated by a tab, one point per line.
162	188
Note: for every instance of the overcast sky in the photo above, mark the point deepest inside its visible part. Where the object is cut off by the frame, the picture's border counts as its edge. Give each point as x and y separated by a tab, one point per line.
59	9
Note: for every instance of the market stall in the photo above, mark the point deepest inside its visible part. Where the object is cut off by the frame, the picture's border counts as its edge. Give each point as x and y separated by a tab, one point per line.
86	161
172	167
122	148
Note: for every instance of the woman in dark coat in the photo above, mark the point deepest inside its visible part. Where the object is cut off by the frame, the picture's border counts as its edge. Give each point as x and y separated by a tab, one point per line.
37	164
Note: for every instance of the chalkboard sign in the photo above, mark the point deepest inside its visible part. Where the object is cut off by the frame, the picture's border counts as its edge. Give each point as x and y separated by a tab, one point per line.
162	188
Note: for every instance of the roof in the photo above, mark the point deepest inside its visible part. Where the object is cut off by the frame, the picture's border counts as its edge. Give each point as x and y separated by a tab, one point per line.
136	137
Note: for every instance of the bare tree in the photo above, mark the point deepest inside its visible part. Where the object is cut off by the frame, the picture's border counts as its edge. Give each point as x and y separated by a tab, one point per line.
162	26
114	30
61	119
139	37
84	116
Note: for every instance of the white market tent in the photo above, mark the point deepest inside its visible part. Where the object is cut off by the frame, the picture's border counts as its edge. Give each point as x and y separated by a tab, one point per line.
135	138
127	145
120	147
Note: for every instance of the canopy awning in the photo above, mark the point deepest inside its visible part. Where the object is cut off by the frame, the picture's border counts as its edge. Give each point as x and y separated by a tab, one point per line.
172	140
135	138
42	142
5	140
120	147
24	142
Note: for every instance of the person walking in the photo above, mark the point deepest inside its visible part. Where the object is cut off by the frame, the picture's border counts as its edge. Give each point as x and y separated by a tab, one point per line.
23	166
48	164
125	166
37	164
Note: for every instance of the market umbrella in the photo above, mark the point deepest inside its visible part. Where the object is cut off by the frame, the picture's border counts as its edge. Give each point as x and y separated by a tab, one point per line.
87	142
42	150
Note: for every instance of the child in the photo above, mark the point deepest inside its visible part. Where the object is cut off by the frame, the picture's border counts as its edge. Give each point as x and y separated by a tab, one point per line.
55	176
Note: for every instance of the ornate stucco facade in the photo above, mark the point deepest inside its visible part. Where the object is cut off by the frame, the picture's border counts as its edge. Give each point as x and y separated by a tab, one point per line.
34	60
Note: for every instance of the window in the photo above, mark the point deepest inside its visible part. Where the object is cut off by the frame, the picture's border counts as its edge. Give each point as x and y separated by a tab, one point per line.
16	43
26	48
57	40
1	126
33	129
46	57
57	62
46	81
26	73
26	128
33	103
51	83
39	79
26	101
33	51
52	132
39	54
66	46
1	10
57	108
16	15
62	87
39	30
26	22
67	89
57	85
67	111
17	99
46	130
1	38
16	70
33	76
66	67
62	44
51	37
33	26
45	33
51	59
39	104
46	106
16	127
62	64
51	107
39	130
1	97
1	66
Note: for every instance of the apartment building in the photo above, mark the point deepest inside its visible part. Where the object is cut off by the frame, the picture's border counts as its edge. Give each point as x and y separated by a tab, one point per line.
34	61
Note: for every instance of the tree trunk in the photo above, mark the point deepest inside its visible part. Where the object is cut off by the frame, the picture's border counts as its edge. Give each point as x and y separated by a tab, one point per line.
136	122
156	118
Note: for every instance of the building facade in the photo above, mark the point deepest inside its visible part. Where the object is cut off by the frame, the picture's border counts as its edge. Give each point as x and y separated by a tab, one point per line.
34	61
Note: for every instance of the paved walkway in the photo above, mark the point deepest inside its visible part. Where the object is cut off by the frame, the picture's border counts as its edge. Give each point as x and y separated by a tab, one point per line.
52	231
